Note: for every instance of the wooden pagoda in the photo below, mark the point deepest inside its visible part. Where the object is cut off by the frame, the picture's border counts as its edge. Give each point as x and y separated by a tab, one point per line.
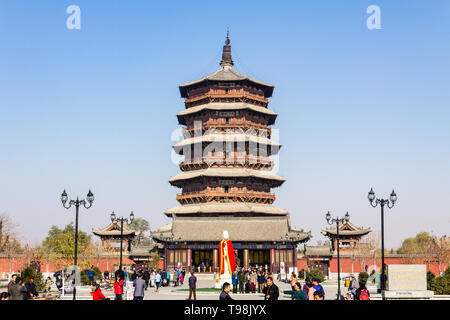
226	177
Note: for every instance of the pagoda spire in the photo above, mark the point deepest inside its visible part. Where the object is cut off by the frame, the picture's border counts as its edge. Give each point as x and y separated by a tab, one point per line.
227	61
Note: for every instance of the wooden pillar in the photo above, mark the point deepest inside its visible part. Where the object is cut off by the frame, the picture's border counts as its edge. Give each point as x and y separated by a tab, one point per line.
188	262
245	258
272	260
215	260
165	257
295	262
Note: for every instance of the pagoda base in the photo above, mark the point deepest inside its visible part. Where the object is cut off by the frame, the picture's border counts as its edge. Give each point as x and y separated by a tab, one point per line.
223	278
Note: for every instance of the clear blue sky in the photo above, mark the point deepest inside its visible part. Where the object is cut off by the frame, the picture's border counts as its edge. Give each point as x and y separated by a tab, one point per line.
95	108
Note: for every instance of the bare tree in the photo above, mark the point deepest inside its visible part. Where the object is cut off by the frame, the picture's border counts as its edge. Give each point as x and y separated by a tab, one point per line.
109	251
441	250
9	243
364	250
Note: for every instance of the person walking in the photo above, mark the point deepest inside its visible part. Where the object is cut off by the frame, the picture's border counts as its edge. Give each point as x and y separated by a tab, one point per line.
235	280
11	283
146	278
139	287
271	291
362	293
261	281
91	274
317	286
224	295
152	278
175	278
318	295
48	284
157	281
192	286
310	291
118	287
181	278
241	277
178	276
18	290
253	281
293	280
297	293
125	276
183	275
354	285
31	289
167	277
305	287
106	275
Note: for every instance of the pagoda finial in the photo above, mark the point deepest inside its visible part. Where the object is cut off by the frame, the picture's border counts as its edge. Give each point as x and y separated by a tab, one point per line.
227	61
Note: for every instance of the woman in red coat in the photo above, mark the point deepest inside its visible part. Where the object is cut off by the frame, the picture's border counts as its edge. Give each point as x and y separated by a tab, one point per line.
97	293
118	287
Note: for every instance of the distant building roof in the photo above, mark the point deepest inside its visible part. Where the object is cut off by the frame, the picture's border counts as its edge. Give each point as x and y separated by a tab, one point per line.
324	250
346	229
113	229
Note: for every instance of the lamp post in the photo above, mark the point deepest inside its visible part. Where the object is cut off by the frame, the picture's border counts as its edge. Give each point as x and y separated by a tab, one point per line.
77	203
337	221
115	219
390	204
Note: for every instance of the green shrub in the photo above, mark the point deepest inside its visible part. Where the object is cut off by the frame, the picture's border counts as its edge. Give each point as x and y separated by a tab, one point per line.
29	271
315	273
441	284
84	278
302	273
363	276
430	277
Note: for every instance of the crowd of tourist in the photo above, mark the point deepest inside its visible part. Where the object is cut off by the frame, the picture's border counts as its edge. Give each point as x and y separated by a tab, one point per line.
17	290
258	280
243	280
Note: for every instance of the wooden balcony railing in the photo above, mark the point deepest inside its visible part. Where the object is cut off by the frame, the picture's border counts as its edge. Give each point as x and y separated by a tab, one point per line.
237	95
246	161
245	124
244	196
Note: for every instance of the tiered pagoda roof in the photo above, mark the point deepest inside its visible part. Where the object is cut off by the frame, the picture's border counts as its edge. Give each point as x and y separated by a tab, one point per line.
275	180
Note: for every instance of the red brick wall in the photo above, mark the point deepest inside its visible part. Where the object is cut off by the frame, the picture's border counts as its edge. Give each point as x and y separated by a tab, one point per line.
18	264
346	264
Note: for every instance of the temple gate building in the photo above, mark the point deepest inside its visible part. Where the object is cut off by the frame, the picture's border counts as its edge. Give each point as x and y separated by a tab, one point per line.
110	237
349	236
226	177
354	254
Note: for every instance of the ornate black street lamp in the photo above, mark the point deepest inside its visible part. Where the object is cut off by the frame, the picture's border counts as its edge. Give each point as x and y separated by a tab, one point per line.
76	203
390	204
337	221
115	219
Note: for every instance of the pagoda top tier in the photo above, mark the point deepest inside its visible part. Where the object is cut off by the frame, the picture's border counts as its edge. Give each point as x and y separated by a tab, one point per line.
226	76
